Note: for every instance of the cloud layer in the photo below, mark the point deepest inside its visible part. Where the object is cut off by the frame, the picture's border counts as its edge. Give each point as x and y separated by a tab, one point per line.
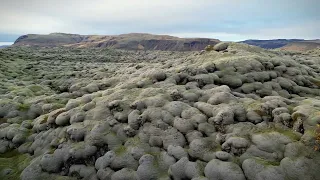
225	20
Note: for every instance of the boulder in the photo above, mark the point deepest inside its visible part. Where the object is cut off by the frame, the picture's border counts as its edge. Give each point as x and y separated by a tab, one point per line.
217	169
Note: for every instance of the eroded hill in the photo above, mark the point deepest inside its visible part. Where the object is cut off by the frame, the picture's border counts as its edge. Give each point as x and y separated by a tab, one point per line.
241	113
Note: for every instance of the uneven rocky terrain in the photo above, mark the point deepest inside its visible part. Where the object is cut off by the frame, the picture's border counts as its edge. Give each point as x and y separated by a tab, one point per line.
234	113
132	41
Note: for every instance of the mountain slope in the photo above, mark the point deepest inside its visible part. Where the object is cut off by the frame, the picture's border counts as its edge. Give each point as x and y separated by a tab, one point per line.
133	41
301	46
270	44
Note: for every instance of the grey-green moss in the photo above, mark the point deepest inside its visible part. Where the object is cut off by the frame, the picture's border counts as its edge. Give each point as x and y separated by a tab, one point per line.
15	163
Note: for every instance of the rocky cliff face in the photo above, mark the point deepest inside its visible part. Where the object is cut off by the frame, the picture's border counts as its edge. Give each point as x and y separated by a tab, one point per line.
133	41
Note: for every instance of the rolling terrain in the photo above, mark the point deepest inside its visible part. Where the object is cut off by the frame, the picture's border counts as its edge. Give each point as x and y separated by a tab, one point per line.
105	112
285	44
270	44
301	46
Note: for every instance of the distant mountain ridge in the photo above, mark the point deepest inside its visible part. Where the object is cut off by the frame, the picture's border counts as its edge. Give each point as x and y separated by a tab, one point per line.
132	41
285	44
4	46
144	41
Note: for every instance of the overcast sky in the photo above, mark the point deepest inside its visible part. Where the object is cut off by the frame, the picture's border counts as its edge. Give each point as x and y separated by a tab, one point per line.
228	20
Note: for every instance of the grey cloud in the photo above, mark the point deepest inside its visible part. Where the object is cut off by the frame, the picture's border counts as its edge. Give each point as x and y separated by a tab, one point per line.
233	17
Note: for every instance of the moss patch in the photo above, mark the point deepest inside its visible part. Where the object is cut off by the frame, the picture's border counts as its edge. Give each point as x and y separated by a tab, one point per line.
134	141
287	132
12	164
266	162
23	107
35	88
45	119
120	150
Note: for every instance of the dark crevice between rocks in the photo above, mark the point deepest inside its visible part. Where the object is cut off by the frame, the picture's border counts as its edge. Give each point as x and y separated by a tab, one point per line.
3	120
72	161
